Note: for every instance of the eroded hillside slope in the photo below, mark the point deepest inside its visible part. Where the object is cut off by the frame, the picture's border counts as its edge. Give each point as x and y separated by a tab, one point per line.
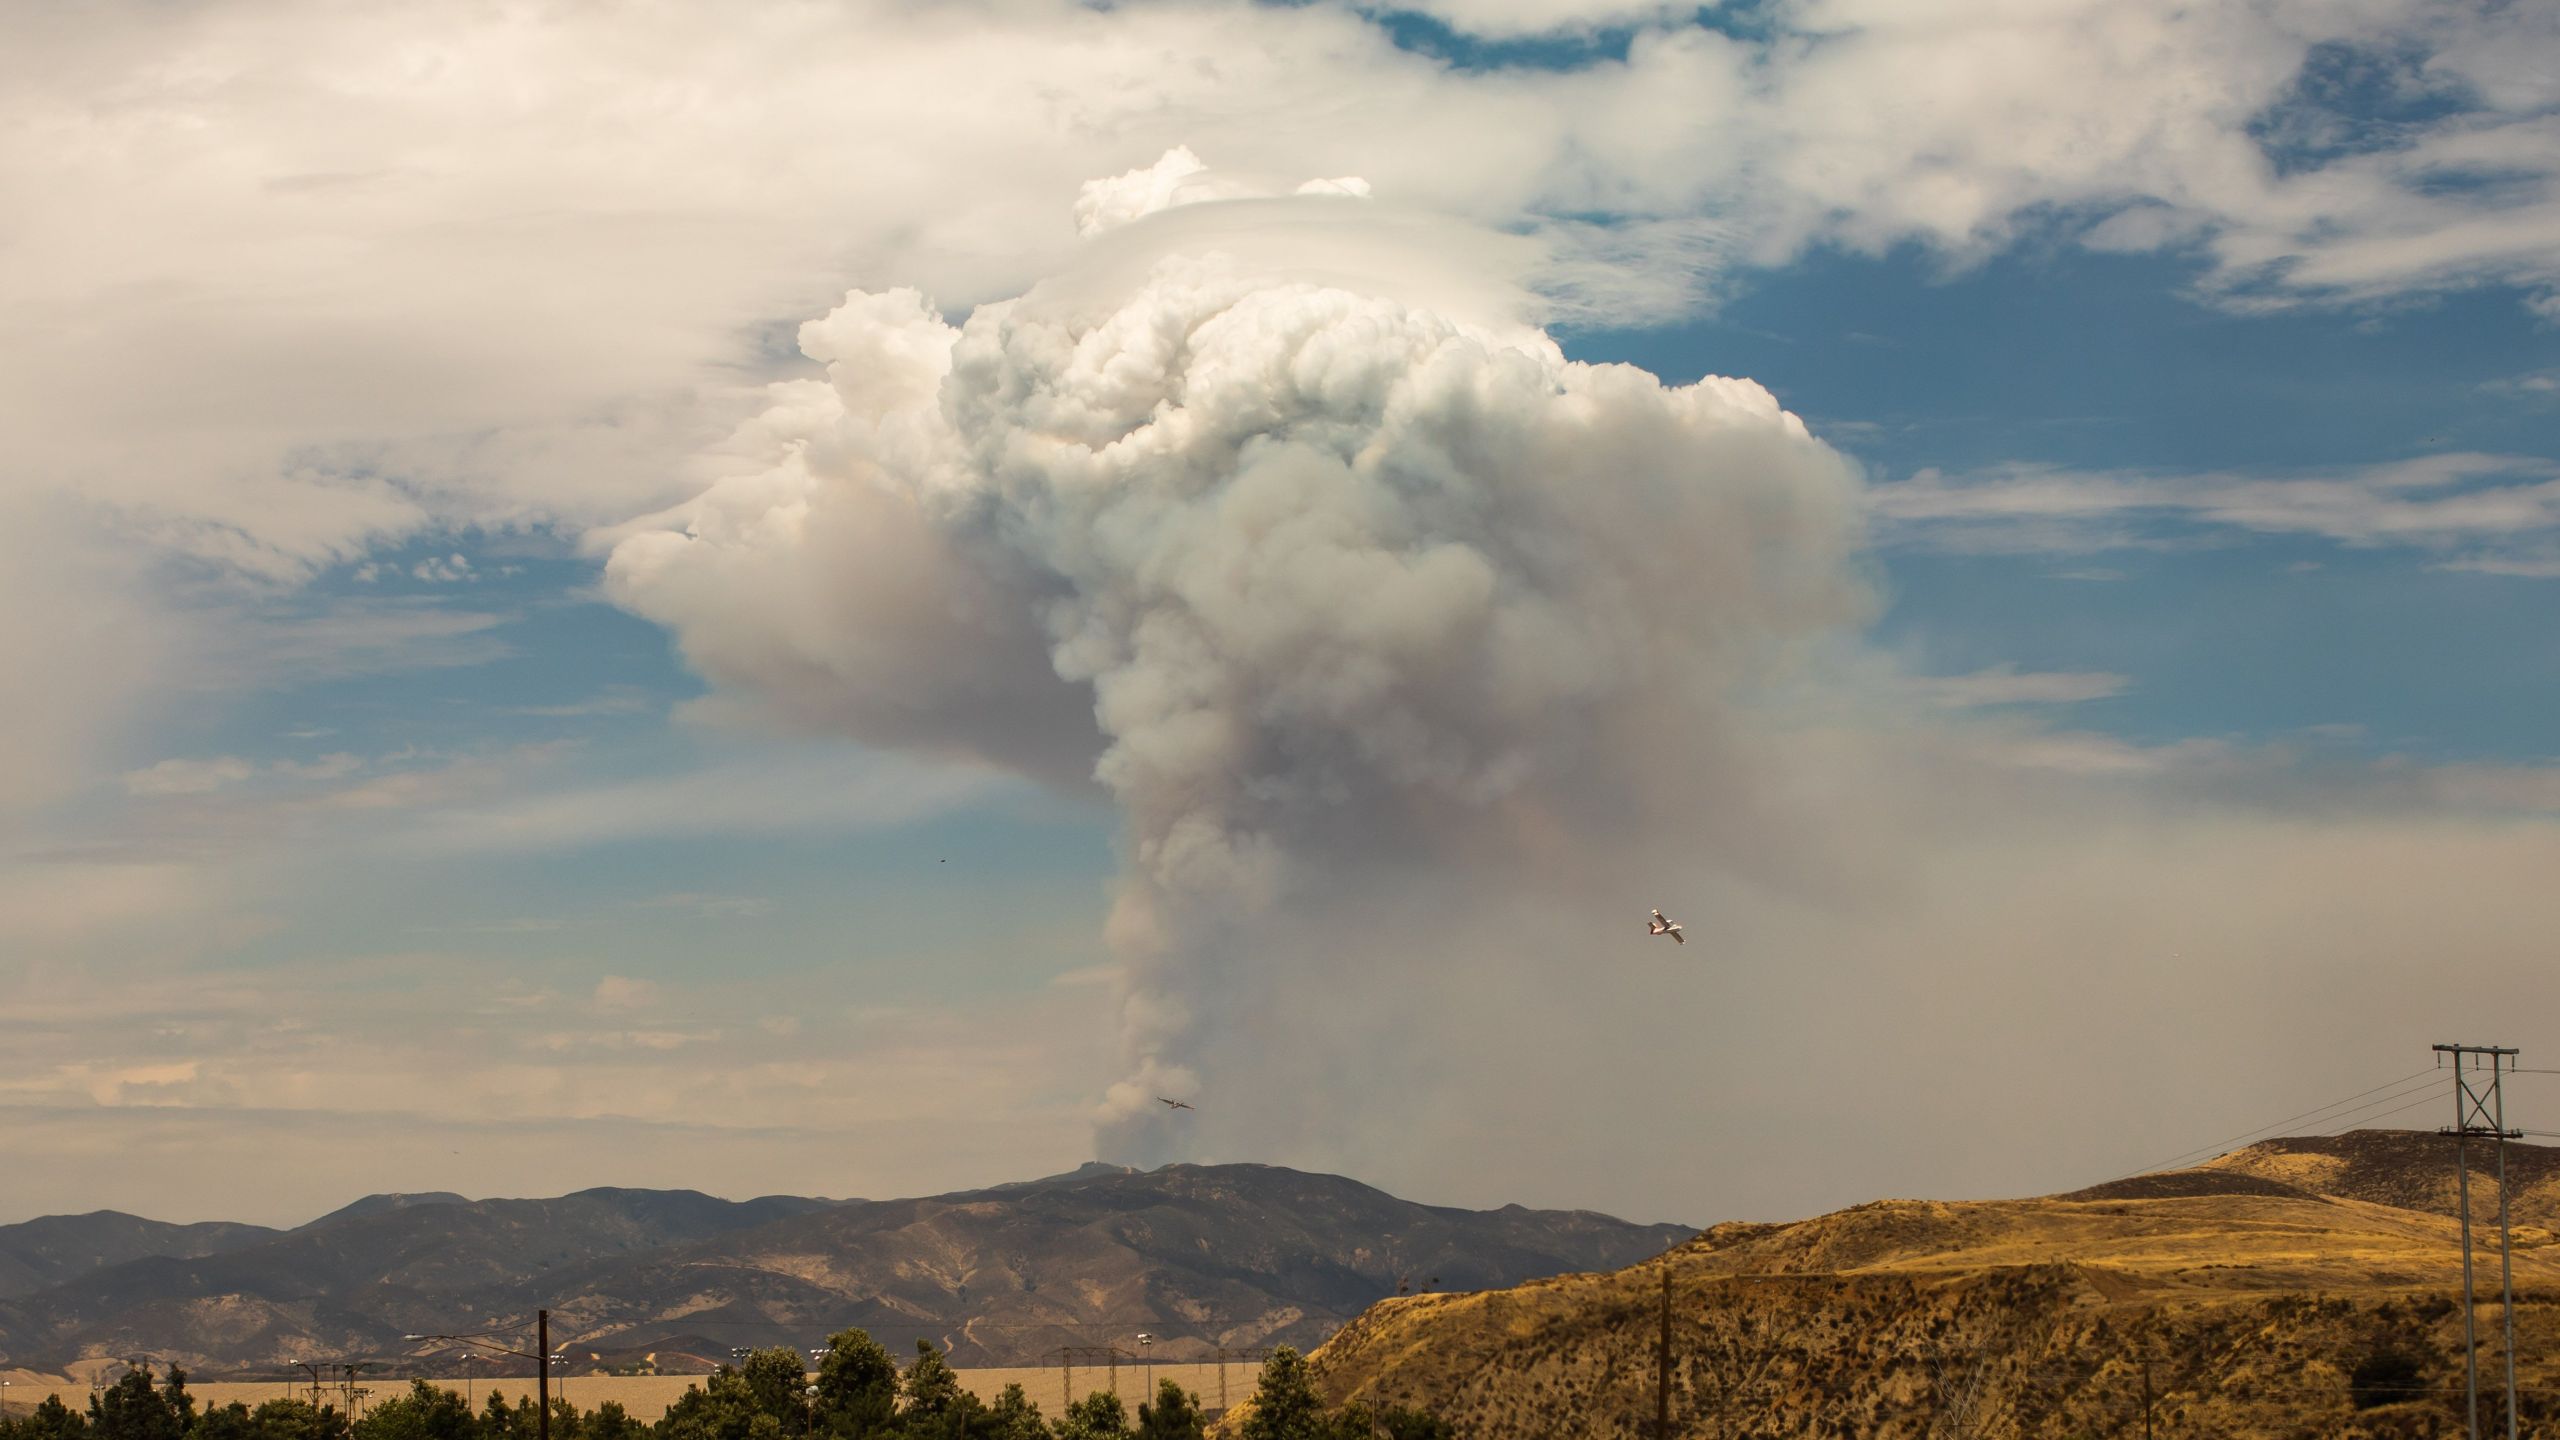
2257	1303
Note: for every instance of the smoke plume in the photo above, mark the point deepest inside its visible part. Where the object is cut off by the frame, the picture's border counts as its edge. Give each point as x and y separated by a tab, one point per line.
1276	518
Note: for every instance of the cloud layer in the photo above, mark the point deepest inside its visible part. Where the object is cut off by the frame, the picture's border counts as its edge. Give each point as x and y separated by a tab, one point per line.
419	271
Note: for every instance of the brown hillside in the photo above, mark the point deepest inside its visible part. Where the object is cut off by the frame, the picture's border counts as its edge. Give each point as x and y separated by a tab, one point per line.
2407	1168
2256	1300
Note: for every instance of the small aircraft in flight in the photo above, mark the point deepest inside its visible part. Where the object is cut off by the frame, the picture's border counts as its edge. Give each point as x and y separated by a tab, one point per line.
1671	928
1176	1104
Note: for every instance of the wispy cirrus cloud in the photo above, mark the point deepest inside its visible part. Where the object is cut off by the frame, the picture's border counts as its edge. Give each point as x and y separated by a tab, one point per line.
2008	685
2467	509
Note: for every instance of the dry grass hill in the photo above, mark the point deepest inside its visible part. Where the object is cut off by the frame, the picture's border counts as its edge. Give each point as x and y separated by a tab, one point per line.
2299	1288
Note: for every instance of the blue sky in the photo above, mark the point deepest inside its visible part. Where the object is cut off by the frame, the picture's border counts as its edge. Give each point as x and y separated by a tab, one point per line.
2197	381
2108	363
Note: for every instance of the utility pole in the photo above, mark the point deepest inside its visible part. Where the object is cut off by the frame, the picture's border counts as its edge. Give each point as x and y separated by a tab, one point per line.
1662	1364
2479	1110
540	1356
542	1371
2146	1398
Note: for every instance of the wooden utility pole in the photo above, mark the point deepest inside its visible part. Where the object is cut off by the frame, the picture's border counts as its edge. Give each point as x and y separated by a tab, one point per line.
542	1372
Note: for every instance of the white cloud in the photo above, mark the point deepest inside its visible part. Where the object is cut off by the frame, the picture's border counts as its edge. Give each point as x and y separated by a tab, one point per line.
299	641
2007	685
2437	503
444	570
779	793
620	992
1515	19
2534	385
710	907
188	777
429	268
518	1099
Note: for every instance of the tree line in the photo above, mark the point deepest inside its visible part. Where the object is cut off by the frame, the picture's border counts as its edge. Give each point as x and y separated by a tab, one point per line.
857	1393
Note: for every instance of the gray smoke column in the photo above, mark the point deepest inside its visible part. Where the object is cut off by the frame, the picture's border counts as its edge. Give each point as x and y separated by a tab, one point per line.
1278	518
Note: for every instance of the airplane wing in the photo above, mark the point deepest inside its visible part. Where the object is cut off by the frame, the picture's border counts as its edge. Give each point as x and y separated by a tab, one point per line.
1677	938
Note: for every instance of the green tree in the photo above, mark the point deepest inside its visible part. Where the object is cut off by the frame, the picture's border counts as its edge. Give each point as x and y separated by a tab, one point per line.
764	1398
52	1420
1098	1416
428	1412
775	1382
225	1422
611	1422
500	1420
1285	1404
1014	1416
937	1406
298	1420
135	1409
1175	1415
857	1388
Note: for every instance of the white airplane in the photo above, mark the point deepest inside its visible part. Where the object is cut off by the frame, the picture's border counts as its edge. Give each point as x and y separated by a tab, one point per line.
1671	928
1176	1104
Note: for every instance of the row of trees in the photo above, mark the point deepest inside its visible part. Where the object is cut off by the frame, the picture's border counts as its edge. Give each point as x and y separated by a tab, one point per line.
858	1393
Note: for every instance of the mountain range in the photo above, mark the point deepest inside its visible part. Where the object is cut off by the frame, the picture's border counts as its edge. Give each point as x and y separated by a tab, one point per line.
2297	1287
1199	1257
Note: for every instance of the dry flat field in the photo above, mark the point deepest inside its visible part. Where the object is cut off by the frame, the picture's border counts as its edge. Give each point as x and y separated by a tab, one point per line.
646	1397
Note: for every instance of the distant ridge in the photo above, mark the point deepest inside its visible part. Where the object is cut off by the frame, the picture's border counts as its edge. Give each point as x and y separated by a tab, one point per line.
1089	1170
1200	1256
55	1248
379	1204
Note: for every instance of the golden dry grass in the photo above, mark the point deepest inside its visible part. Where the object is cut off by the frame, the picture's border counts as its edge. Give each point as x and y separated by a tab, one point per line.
646	1397
2255	1308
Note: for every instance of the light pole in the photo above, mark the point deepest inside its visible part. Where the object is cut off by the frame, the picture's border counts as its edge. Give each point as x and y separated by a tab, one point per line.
1147	1348
540	1355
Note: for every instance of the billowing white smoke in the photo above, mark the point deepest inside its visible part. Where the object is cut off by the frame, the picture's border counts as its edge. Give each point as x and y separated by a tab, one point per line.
1275	519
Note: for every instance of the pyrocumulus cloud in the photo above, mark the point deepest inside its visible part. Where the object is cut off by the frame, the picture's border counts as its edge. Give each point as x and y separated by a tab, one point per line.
1276	517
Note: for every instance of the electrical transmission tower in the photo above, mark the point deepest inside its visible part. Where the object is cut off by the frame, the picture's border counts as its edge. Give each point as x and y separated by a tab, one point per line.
1109	1356
2480	1108
1227	1354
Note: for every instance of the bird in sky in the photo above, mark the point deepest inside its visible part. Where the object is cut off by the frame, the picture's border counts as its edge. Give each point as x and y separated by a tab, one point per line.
1671	928
1176	1104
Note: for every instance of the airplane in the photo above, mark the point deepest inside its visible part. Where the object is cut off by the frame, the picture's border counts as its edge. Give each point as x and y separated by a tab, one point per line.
1671	928
1176	1104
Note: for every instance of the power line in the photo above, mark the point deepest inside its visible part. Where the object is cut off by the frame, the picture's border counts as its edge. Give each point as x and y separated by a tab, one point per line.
2436	1093
2220	1146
